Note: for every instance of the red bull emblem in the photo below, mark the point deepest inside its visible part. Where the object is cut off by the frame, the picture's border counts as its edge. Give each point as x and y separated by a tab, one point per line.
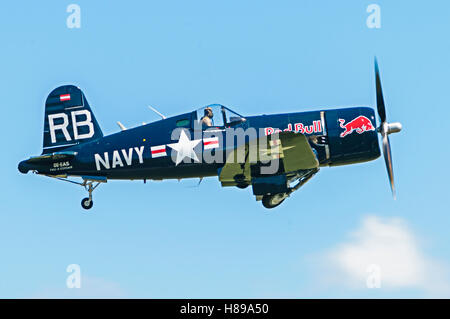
360	124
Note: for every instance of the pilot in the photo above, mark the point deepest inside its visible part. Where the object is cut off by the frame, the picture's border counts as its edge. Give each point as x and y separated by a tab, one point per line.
207	118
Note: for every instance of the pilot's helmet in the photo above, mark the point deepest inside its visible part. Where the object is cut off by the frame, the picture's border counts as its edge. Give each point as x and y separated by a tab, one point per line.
208	110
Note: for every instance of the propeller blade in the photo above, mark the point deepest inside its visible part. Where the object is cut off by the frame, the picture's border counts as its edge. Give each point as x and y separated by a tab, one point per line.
380	100
385	129
388	160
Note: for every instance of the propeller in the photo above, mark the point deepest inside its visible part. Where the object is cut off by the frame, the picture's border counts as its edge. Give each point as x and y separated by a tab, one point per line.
385	129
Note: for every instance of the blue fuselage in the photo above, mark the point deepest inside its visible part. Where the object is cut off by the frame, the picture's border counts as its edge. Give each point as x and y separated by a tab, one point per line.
339	137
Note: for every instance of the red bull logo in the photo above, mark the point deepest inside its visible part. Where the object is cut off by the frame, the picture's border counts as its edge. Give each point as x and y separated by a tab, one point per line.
316	127
360	124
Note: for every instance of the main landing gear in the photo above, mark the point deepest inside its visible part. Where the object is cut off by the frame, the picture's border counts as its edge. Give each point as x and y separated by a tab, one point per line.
274	200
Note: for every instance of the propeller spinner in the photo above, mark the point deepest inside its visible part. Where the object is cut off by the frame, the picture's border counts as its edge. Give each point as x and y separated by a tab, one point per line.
385	129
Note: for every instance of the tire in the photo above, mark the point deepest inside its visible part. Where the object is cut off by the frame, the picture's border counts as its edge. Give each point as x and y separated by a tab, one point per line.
272	201
242	185
86	203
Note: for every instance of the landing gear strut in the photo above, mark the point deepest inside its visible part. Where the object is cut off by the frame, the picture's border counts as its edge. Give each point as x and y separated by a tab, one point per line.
87	202
273	200
88	184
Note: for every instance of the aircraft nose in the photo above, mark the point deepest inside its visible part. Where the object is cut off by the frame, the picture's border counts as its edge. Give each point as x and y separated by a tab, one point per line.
23	167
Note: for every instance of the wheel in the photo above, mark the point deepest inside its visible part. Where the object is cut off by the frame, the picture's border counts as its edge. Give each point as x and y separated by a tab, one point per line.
86	203
242	185
272	201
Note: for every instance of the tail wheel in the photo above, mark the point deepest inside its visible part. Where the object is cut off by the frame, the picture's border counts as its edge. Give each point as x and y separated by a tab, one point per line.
272	201
87	203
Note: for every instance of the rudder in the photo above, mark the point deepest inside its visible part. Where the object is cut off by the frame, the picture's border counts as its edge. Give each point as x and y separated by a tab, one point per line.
68	120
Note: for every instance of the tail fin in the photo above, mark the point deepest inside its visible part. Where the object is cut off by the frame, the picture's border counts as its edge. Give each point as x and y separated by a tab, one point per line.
68	120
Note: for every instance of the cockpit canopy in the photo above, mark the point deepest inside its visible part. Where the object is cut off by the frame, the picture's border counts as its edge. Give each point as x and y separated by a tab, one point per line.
221	116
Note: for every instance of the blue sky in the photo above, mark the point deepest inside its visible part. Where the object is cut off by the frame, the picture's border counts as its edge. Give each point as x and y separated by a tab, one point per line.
176	240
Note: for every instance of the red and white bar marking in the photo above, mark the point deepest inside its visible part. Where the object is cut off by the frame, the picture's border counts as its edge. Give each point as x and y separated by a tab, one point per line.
158	151
64	97
210	143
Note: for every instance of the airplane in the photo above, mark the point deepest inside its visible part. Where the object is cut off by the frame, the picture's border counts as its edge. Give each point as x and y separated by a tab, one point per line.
275	154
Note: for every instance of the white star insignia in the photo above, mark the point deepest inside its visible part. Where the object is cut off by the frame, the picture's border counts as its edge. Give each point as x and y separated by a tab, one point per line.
184	148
